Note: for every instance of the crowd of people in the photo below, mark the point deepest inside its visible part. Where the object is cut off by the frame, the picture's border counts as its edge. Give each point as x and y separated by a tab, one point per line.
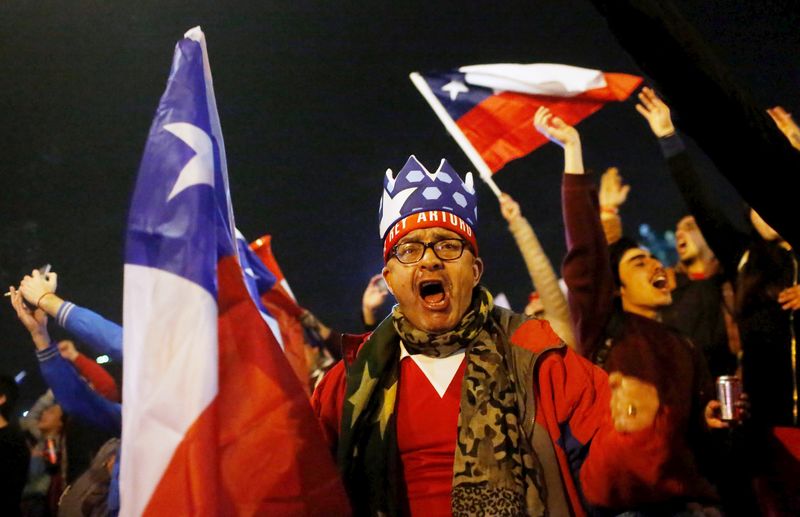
599	399
660	444
663	333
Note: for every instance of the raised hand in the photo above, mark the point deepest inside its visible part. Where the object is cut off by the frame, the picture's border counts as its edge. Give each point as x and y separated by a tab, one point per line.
655	112
36	285
67	350
634	403
33	320
374	296
564	135
555	129
783	119
509	208
612	192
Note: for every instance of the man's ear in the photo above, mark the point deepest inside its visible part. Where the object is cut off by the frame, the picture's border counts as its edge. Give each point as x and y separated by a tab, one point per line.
477	271
386	275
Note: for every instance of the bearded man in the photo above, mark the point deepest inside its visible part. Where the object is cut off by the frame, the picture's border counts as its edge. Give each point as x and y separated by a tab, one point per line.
453	406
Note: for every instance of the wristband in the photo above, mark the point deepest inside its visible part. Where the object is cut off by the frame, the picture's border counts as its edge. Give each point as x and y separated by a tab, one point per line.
40	299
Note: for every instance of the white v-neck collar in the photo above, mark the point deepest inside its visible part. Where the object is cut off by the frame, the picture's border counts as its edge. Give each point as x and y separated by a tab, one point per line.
439	371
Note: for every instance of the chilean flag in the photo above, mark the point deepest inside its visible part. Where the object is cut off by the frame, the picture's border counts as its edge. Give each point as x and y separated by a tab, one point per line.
280	302
214	420
258	279
489	109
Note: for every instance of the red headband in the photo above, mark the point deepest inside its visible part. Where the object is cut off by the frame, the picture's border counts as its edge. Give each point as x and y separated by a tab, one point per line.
428	219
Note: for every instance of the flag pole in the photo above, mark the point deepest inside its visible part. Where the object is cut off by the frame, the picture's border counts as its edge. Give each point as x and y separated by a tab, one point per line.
483	170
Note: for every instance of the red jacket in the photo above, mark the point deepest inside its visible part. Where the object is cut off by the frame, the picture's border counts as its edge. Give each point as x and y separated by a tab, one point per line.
580	451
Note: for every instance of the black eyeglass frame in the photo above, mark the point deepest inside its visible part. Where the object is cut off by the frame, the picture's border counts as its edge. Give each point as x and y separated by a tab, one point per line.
432	245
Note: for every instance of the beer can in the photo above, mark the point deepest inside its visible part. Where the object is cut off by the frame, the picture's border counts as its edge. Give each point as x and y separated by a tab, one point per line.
729	388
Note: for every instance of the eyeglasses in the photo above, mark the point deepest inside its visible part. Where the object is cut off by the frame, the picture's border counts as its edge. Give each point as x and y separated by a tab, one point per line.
445	249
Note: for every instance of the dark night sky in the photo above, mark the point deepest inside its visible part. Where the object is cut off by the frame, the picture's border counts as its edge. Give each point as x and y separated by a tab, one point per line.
315	104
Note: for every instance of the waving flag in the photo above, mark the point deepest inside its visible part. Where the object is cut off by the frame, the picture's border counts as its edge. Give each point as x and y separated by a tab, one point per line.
281	303
489	109
258	280
214	420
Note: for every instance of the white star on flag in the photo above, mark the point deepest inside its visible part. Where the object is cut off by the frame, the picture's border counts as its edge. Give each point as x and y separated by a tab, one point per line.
200	169
454	88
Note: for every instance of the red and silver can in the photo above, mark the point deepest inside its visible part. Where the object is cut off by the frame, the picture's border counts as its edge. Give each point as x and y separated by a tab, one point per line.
729	389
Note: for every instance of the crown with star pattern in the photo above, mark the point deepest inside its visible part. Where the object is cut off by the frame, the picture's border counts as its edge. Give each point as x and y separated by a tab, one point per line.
416	198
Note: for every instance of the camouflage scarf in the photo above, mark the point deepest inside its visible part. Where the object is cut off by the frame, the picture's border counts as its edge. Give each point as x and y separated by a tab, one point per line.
494	470
447	343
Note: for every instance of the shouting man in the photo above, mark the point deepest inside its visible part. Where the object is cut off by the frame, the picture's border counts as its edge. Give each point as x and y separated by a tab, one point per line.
453	406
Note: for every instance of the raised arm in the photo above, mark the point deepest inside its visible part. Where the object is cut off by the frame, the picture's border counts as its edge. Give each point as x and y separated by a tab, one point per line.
374	295
783	119
104	336
562	134
100	380
70	390
721	115
76	397
586	267
724	239
612	195
540	269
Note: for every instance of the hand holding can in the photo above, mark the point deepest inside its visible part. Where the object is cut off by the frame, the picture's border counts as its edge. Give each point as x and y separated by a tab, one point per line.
729	391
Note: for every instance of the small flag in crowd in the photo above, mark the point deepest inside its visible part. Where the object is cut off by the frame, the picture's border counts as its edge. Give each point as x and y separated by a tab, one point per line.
489	109
258	280
215	422
281	303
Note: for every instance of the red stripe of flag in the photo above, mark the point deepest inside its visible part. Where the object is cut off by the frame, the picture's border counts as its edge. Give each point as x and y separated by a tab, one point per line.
269	457
284	308
501	128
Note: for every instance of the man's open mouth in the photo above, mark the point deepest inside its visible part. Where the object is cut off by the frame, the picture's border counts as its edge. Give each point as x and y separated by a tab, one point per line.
659	281
432	292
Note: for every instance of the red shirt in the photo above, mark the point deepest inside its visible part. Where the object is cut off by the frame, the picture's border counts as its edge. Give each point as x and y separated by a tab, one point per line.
427	431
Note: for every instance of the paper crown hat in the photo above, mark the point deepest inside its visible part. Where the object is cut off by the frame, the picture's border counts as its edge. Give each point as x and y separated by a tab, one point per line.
416	198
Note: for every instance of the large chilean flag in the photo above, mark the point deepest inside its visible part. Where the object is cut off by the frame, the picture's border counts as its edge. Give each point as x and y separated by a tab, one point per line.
215	422
489	109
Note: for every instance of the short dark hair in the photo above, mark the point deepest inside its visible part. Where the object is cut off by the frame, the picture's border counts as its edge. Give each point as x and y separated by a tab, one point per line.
8	387
615	253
